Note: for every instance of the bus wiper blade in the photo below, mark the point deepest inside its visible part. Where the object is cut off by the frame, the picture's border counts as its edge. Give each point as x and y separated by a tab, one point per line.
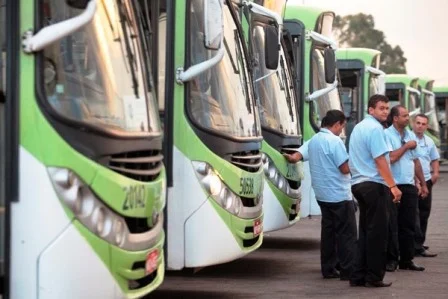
232	60
130	56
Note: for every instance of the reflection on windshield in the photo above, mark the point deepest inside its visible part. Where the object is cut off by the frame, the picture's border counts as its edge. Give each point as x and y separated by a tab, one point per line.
221	98
275	93
97	75
430	110
374	85
413	105
328	101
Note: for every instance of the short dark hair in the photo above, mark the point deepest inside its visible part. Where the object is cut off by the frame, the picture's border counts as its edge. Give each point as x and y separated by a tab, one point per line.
332	117
377	98
422	115
395	111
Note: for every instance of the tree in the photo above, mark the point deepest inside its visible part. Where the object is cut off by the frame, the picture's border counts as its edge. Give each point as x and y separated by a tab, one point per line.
359	31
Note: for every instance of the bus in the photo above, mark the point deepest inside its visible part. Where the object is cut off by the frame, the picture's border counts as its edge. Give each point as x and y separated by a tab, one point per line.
360	79
314	61
441	94
83	181
277	100
213	151
429	108
402	89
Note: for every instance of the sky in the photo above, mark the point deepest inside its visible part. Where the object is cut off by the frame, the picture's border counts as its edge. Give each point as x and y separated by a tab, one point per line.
419	27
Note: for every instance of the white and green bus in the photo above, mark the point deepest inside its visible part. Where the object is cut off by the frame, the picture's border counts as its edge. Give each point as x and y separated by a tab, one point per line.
83	183
360	79
277	101
313	56
429	108
212	150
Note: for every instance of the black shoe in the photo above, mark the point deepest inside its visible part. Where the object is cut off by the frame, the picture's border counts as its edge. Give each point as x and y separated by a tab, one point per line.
344	278
357	283
425	253
332	275
378	284
411	266
391	266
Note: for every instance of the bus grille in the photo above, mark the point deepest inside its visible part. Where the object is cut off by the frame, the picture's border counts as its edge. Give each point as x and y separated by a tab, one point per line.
249	161
143	166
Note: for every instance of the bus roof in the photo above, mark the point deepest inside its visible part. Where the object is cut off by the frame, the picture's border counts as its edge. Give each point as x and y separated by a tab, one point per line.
306	14
367	56
407	80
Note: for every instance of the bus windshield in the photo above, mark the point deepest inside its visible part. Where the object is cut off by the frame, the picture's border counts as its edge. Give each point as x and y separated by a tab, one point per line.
374	85
328	101
276	96
99	74
429	108
221	98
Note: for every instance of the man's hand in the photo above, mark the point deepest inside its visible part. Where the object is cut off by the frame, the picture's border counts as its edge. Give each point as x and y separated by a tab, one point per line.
293	158
424	192
396	194
419	189
411	144
434	178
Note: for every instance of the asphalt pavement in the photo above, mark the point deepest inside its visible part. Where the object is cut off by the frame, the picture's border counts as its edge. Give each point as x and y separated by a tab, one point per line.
287	266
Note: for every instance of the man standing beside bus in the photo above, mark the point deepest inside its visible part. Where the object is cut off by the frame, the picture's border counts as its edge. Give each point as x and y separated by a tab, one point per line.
372	186
330	179
404	158
430	160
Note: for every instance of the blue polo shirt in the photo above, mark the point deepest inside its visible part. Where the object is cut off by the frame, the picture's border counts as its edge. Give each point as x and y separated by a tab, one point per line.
367	142
303	150
430	153
326	153
403	170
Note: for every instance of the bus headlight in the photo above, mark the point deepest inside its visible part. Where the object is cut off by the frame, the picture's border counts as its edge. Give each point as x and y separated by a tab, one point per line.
86	207
277	179
215	187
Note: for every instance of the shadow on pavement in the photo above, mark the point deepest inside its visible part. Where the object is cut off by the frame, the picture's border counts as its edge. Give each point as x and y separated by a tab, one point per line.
196	294
299	244
247	268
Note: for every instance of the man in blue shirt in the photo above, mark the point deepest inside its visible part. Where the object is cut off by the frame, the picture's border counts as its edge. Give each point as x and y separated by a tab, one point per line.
372	186
405	164
330	179
429	160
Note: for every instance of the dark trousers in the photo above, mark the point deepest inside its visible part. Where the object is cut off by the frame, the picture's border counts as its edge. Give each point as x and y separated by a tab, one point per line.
370	259
393	252
423	211
338	237
406	216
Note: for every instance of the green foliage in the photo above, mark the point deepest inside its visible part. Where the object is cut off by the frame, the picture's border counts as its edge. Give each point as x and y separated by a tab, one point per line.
359	31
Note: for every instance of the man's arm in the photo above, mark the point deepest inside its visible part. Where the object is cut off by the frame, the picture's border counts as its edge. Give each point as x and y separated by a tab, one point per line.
343	168
435	168
386	174
293	158
419	174
398	153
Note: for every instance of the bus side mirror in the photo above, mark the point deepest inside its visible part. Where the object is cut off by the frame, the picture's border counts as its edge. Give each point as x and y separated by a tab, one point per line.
79	4
213	24
330	65
271	47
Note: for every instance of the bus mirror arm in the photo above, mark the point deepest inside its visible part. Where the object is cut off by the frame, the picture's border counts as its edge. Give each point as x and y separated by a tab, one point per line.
197	69
35	42
321	92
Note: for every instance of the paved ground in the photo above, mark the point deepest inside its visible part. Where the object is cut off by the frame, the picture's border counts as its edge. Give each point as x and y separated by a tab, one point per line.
287	266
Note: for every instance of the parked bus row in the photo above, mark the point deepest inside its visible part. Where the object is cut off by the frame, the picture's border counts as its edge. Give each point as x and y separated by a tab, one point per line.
143	136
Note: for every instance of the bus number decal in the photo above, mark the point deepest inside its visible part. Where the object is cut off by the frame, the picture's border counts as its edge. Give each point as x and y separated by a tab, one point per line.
247	186
135	198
